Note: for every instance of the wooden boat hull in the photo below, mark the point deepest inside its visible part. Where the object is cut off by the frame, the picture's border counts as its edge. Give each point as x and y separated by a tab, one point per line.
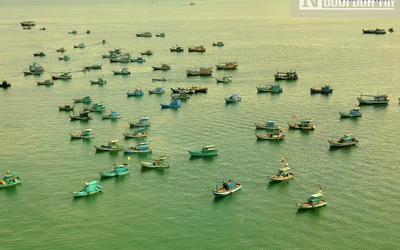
111	117
344	115
83	193
307	205
108	174
138	124
66	108
153	165
362	101
83	118
276	178
134	94
136	151
222	192
144	134
264	126
80	136
320	91
342	144
165	106
201	154
298	126
107	148
156	92
270	137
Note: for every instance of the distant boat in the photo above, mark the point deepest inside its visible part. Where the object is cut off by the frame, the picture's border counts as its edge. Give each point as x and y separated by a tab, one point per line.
99	81
85	134
276	88
283	173
176	49
227	65
162	34
45	82
144	34
224	79
354	112
201	72
66	107
89	188
74	32
10	179
63	76
65	58
160	162
112	115
158	90
375	31
80	46
95	107
390	30
174	104
136	92
196	48
143	122
124	71
40	53
5	84
119	170
138	133
28	23
346	140
36	72
373	99
289	75
303	125
209	150
138	59
82	116
85	99
228	188
271	136
159	79
146	53
218	44
164	66
314	201
323	90
141	147
111	146
192	3
233	98
62	49
270	125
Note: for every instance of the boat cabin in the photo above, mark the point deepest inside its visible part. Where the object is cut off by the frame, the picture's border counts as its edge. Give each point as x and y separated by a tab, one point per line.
305	123
86	132
315	198
284	171
230	184
90	186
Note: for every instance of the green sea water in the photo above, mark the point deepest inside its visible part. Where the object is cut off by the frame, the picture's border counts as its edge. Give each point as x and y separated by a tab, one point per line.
175	208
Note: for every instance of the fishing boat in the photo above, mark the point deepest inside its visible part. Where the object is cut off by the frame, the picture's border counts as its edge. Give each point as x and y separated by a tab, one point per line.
124	71
201	72
5	84
271	136
196	48
269	125
182	90
390	30
228	188
158	90
144	34
209	150
276	88
373	99
85	134
99	81
112	115
66	107
89	188
36	72
146	53
28	23
174	104
138	59
62	49
45	82
136	92
164	66
375	31
160	162
112	145
85	99
346	140
65	58
233	98
354	112
224	79
118	170
282	174
289	75
80	46
181	95
161	34
82	116
39	53
143	121
74	32
218	44
176	49
141	147
138	133
314	201
227	65
10	179
198	89
63	76
159	79
323	90
303	125
96	107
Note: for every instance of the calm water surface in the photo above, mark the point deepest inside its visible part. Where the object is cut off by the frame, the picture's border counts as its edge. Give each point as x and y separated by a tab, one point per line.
175	208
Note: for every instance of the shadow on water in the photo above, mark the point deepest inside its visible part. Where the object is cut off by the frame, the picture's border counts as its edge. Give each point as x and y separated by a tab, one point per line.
209	158
314	211
11	190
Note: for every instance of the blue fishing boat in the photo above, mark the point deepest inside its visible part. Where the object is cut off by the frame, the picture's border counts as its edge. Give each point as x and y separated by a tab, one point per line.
112	115
289	75
136	92
228	188
119	170
314	201
269	125
158	90
137	133
323	90
143	122
10	179
86	134
141	147
303	125
160	162
354	112
346	140
372	99
276	88
174	104
85	99
111	146
89	188
138	60
282	174
233	98
96	107
209	150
